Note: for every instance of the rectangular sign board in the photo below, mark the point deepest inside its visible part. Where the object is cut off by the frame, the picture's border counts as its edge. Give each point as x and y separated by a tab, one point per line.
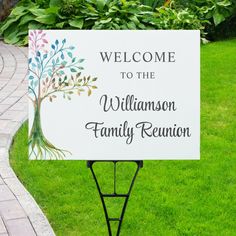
114	95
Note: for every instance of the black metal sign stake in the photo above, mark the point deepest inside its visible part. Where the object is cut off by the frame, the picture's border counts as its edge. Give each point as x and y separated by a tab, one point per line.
114	194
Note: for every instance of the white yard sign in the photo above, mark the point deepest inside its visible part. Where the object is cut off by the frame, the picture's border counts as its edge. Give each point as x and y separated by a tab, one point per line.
114	95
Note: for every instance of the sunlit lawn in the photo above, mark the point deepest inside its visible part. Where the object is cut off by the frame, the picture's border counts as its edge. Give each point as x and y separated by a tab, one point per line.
169	197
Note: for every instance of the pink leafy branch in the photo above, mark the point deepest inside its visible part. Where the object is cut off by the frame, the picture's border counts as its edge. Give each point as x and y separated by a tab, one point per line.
48	71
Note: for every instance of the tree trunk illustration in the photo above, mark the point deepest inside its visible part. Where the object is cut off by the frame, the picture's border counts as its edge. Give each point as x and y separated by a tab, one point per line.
40	146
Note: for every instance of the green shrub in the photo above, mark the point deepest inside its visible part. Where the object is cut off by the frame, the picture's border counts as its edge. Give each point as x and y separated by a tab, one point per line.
170	18
220	14
153	3
95	14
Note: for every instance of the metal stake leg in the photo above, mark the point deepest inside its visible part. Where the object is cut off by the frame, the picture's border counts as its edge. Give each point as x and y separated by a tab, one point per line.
115	194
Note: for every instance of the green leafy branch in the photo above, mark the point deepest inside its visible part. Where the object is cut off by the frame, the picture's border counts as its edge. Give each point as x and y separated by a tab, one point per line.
69	86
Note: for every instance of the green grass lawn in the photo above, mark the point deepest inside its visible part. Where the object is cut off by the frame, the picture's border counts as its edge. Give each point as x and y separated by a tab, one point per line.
169	197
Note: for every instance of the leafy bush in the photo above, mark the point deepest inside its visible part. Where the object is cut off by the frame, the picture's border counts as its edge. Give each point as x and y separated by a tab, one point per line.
91	14
215	10
170	18
153	3
220	14
114	14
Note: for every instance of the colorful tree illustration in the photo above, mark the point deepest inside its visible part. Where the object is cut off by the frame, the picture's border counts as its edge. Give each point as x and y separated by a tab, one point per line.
53	70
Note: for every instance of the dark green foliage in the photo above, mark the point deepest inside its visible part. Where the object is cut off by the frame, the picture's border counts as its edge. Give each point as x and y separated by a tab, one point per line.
68	8
226	29
92	14
153	3
212	17
221	15
42	3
